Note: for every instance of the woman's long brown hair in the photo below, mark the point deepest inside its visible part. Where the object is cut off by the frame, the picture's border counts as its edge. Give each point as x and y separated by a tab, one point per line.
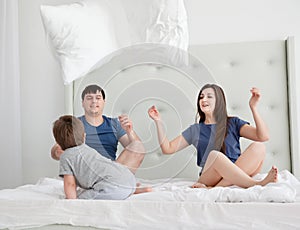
220	115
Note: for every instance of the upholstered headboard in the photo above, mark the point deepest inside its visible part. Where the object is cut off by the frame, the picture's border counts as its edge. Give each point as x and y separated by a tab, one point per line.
237	67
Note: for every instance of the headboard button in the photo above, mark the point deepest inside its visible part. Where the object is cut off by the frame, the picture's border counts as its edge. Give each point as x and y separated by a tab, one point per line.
271	107
270	62
235	107
233	63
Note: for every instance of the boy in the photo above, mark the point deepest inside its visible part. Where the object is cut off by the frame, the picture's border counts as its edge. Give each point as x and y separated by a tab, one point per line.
100	177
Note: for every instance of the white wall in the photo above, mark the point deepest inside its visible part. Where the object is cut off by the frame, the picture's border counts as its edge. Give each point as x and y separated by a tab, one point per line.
214	21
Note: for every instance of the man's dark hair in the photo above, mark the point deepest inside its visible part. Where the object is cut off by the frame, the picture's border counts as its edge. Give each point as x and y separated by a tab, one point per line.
92	89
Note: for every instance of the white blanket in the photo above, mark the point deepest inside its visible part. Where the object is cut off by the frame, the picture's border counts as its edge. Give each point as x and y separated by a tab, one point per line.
172	202
287	189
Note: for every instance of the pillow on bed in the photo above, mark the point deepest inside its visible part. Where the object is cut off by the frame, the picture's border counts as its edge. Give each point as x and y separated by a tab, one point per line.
81	34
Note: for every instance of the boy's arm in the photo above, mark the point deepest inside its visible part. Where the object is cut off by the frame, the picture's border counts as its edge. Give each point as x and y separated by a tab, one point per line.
70	187
56	151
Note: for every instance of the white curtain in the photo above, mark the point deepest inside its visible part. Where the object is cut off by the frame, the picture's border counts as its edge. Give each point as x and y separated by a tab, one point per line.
10	131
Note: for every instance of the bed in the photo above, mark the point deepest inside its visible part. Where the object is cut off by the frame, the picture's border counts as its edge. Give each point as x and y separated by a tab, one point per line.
132	85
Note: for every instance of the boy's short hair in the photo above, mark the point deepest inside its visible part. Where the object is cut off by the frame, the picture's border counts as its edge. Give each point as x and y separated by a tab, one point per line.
92	89
68	132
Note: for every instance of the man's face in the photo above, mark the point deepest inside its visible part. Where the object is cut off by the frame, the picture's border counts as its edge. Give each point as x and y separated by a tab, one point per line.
93	104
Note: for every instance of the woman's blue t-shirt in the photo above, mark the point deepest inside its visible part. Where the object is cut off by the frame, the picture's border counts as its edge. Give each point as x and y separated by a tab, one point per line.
202	137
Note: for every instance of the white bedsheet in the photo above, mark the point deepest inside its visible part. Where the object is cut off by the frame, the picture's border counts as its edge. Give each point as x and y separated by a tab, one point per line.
285	190
172	203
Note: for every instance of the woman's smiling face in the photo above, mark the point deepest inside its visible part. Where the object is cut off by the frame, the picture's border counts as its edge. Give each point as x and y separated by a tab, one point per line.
207	101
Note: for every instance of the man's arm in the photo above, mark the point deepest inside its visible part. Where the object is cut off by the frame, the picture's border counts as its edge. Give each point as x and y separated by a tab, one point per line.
127	125
134	150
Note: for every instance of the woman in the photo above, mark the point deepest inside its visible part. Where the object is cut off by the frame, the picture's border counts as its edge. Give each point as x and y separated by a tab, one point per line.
216	138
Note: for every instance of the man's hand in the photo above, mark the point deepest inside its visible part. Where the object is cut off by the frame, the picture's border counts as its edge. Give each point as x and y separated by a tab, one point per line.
126	123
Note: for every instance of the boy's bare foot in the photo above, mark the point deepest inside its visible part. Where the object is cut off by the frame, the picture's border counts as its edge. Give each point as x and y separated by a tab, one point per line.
271	177
141	190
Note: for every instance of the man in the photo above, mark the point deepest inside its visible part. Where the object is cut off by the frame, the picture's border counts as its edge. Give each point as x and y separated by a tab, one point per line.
103	133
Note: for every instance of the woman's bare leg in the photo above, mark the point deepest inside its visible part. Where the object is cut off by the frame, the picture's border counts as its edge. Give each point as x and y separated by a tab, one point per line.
250	161
219	166
208	164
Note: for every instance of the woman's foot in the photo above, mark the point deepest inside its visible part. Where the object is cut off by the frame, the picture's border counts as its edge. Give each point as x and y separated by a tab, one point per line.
198	185
271	177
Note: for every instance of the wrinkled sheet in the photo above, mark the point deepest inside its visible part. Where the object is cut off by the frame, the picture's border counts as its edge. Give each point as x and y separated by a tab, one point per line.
285	190
172	203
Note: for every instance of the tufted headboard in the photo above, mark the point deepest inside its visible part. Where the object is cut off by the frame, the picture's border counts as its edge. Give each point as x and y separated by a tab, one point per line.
237	67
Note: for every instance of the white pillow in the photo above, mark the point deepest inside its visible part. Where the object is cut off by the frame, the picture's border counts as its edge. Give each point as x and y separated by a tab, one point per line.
157	21
82	33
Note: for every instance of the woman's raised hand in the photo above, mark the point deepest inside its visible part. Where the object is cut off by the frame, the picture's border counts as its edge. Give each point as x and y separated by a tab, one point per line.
153	113
254	97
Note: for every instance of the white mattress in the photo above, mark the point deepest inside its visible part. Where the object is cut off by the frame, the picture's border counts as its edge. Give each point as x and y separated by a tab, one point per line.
172	205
